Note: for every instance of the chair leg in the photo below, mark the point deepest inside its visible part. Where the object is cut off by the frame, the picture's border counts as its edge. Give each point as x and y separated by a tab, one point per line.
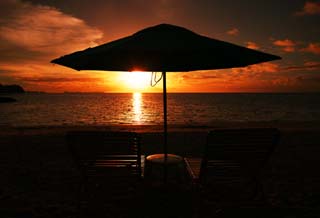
82	197
258	193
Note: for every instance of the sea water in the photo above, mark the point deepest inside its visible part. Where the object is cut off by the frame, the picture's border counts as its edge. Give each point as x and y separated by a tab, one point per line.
38	109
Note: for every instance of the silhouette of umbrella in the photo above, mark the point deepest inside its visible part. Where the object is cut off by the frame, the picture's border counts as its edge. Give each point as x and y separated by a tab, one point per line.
164	48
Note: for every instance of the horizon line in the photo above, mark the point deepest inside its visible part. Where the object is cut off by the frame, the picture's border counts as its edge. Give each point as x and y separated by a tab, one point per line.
267	92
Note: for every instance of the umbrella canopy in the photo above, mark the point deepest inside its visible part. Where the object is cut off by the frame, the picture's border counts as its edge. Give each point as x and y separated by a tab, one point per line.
164	48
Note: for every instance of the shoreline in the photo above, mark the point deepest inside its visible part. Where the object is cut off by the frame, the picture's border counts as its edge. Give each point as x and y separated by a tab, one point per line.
182	139
56	129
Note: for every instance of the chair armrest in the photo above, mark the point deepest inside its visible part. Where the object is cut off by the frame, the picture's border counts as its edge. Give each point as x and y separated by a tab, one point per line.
193	168
143	161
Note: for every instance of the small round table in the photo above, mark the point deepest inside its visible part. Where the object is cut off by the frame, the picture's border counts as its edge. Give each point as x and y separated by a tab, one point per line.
156	165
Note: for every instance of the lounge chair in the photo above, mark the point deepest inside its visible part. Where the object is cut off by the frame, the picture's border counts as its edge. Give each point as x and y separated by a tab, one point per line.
231	164
110	167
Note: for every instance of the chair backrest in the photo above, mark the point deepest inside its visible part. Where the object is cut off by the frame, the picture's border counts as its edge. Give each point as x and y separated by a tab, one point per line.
108	152
248	149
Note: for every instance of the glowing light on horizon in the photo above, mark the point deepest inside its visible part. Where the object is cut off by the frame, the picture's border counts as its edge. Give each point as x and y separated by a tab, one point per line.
137	81
137	106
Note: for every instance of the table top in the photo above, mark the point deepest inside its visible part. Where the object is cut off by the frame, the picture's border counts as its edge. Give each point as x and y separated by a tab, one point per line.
160	159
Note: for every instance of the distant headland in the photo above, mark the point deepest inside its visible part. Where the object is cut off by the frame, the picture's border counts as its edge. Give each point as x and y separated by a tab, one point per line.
7	89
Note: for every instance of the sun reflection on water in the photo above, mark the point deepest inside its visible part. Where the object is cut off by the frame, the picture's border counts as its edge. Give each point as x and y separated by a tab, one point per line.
137	105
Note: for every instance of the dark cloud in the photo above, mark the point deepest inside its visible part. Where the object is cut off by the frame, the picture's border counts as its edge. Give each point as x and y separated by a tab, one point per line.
308	79
309	8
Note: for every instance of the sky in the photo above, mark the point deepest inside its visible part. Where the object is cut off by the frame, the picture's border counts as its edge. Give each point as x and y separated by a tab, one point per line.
34	32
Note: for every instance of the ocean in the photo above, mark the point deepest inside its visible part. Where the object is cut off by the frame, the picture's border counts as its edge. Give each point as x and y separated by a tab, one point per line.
42	109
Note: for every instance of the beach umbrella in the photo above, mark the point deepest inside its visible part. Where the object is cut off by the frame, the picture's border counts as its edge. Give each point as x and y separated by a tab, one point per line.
164	48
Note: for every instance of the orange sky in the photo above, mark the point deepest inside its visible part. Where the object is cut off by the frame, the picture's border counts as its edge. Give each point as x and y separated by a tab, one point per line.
34	32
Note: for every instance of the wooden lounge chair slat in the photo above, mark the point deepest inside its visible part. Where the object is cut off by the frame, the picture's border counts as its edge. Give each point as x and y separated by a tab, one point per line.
233	156
110	165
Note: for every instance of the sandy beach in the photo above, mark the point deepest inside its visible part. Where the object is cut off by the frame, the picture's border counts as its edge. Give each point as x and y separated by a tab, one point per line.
39	179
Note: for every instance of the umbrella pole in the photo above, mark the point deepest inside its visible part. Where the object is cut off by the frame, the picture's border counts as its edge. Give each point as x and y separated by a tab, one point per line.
165	131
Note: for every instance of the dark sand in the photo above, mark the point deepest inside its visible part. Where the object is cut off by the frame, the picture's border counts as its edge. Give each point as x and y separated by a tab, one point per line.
39	179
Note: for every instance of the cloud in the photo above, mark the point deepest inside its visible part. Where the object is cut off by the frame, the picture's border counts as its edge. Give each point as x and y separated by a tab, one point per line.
286	45
61	79
307	66
256	78
199	76
310	79
312	48
297	83
309	8
38	30
298	78
233	32
31	35
289	46
252	45
312	64
253	73
258	69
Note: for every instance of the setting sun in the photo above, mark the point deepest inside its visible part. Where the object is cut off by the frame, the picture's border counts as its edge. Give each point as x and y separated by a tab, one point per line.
136	80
